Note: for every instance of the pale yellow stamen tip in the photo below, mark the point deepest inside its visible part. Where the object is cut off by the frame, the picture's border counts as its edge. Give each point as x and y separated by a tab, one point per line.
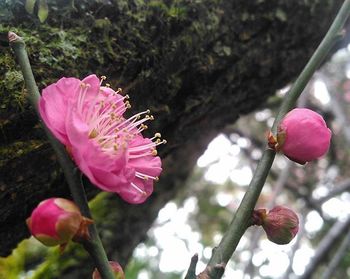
108	85
156	178
164	141
154	152
103	77
127	96
157	135
93	134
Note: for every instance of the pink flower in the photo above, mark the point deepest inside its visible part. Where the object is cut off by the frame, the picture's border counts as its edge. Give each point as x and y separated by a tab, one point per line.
117	269
302	136
280	223
108	148
56	221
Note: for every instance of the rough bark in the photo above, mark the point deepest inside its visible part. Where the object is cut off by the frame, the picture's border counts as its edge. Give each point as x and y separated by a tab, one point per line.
197	65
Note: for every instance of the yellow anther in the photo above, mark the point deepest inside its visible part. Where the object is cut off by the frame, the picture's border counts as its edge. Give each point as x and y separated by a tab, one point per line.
156	178
148	111
128	106
157	135
127	96
154	152
119	90
115	147
103	77
151	117
108	85
93	134
145	178
164	142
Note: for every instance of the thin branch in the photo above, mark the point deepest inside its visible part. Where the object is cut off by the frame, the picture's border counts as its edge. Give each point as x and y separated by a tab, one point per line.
240	220
93	246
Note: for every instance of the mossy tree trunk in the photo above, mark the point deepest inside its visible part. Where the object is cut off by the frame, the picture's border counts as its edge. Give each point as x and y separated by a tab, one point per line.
197	65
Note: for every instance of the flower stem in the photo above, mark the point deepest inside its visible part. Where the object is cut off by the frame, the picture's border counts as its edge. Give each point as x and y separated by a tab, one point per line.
94	245
241	219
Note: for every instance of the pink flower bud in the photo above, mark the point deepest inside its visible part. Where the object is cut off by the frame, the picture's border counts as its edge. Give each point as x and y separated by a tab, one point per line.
280	224
117	269
55	221
302	136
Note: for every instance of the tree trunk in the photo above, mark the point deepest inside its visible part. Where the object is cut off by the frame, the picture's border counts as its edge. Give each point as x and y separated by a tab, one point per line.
197	65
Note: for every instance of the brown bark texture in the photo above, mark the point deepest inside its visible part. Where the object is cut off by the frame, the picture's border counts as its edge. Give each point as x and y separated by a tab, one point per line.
198	65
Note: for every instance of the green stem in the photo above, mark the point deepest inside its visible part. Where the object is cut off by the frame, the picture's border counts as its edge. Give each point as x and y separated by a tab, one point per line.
94	245
240	221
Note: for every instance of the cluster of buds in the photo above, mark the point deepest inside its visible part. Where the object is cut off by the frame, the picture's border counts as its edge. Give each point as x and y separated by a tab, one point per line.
280	224
302	136
56	221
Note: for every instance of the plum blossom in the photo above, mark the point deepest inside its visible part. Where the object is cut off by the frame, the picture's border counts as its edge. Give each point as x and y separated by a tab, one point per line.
56	221
302	136
107	147
281	224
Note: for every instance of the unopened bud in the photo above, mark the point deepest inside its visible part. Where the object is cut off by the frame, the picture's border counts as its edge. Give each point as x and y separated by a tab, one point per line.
117	270
302	136
56	221
281	224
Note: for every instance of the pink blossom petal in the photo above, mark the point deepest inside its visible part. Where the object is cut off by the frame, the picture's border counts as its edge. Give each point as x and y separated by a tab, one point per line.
94	87
53	105
149	165
134	195
110	181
